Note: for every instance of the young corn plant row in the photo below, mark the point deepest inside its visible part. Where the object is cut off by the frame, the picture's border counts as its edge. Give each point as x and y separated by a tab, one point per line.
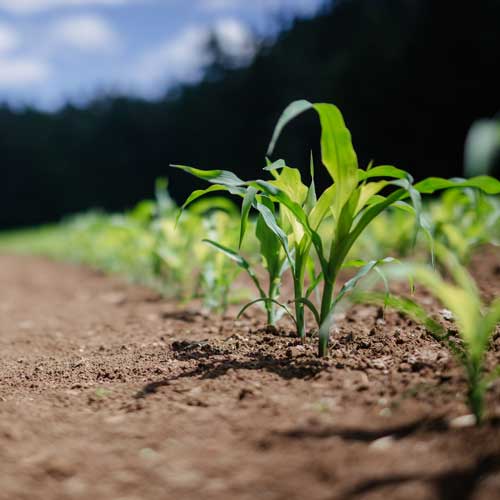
461	219
310	236
147	246
475	321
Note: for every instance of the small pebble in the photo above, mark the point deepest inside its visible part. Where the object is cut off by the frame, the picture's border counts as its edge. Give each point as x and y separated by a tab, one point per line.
463	421
446	314
382	443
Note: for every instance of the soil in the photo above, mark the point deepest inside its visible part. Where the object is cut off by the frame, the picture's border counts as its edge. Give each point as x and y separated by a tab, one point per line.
109	392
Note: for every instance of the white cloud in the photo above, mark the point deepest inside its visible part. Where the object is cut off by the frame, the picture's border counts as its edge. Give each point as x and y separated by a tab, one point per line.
32	6
22	71
9	39
182	58
235	38
177	59
86	33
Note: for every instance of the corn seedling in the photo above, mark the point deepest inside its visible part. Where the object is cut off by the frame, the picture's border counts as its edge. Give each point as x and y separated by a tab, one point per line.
219	218
293	213
482	147
381	239
272	256
475	321
465	219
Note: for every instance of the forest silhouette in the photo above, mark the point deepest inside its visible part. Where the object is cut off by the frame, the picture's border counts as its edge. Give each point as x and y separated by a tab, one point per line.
410	77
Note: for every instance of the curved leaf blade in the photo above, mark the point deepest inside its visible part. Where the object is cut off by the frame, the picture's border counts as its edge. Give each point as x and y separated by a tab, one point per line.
485	183
224	177
291	111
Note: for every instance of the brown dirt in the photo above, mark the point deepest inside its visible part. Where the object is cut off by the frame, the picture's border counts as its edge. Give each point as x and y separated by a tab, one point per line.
108	392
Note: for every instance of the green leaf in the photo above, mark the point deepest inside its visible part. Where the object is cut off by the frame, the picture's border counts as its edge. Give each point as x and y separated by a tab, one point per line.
311	307
337	153
417	206
269	246
405	305
322	208
354	263
405	207
267	299
282	197
311	198
277	165
224	177
236	257
489	322
198	194
290	182
313	284
464	305
232	254
270	220
367	192
481	147
382	171
248	200
201	207
485	183
350	284
291	111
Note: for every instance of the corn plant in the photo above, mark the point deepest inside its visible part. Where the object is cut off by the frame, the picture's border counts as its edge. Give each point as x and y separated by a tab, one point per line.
482	146
215	275
295	215
381	239
273	257
273	261
465	219
475	321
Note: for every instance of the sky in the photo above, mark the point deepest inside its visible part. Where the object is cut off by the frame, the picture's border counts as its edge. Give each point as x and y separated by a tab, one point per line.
52	51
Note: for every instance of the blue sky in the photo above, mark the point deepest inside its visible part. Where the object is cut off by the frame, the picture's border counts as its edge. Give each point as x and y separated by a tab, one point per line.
55	50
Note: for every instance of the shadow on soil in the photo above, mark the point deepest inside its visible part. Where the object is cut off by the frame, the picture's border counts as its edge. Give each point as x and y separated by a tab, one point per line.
303	367
458	484
398	431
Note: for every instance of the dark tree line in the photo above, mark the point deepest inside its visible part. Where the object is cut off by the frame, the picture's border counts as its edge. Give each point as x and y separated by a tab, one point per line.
409	75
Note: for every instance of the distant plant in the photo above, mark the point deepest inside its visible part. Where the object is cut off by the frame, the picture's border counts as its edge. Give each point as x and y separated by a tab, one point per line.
482	147
464	219
380	238
216	275
476	322
180	258
294	214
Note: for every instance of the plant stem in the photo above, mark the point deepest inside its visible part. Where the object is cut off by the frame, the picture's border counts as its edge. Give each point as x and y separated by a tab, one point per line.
299	309
326	299
298	288
475	393
270	306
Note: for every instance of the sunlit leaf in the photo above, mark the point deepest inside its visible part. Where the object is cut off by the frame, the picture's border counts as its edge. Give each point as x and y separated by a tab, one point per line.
488	184
337	153
481	147
248	200
382	171
291	111
224	177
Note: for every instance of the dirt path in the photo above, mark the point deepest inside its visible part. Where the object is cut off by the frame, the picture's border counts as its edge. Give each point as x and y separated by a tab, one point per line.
107	392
